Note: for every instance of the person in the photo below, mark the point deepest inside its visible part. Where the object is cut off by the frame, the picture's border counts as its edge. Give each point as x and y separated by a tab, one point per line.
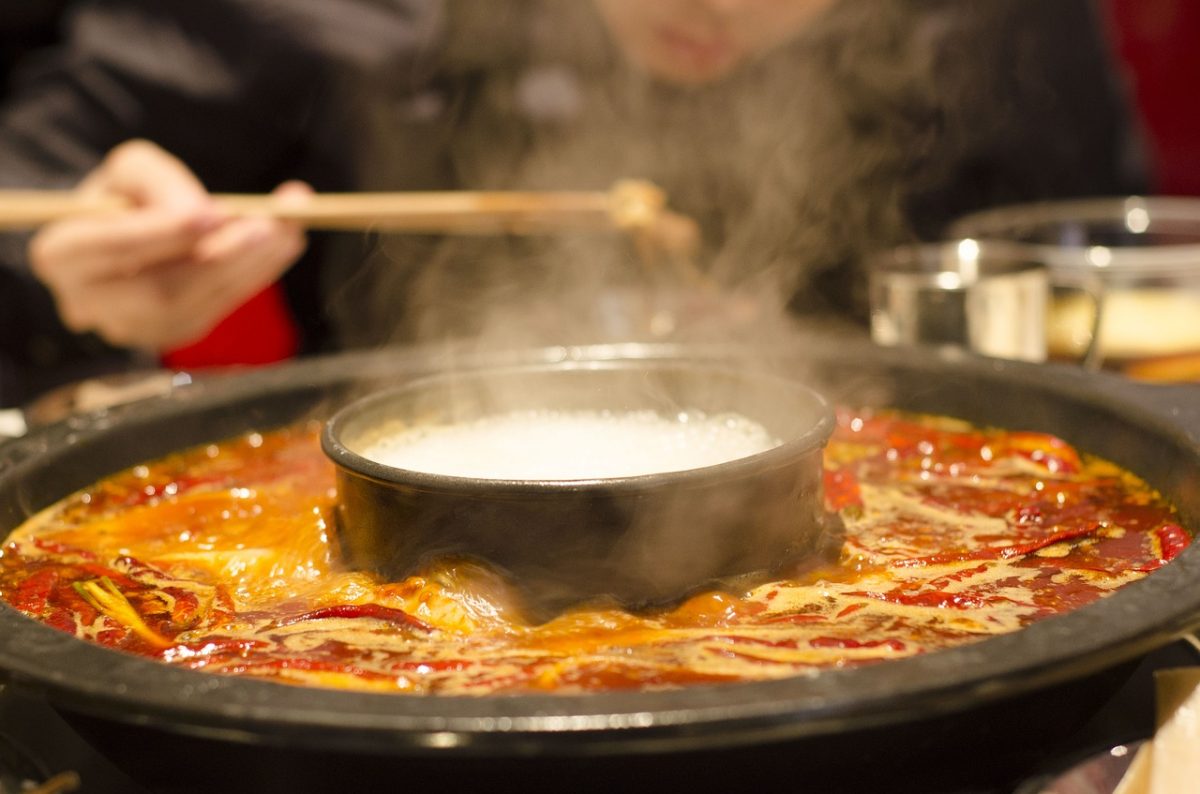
800	134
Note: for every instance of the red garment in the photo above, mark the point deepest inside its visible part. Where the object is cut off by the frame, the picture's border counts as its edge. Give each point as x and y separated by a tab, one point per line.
1159	41
260	331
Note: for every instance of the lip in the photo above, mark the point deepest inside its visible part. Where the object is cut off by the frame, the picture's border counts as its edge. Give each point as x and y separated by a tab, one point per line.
699	50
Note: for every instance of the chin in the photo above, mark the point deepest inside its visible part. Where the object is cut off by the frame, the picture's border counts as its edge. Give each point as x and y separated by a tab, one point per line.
672	70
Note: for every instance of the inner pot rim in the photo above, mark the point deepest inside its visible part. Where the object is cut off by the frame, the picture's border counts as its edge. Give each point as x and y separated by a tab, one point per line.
813	438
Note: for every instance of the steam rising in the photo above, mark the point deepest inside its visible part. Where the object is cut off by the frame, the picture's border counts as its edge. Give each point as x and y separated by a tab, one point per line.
877	124
880	122
771	163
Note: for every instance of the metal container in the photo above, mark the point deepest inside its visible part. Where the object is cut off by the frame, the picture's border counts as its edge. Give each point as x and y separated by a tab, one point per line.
1138	258
644	539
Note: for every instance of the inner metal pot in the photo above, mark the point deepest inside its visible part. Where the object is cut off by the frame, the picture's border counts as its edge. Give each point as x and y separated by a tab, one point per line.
642	539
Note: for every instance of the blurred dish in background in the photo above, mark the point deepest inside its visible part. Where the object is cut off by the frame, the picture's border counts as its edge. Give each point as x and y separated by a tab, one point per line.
1141	255
96	394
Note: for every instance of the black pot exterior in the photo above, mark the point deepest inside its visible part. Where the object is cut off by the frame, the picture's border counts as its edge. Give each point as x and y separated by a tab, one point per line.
642	540
1153	431
942	754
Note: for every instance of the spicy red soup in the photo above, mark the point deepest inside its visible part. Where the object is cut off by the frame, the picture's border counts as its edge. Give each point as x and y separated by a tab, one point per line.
220	558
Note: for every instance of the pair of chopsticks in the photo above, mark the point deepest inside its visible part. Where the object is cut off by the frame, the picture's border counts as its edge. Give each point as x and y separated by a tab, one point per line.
638	208
628	205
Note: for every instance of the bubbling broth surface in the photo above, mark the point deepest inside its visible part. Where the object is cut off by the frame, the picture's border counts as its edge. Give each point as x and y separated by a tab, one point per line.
221	559
572	445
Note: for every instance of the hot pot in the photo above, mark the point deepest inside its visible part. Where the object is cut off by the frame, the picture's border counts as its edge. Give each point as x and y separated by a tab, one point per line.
954	718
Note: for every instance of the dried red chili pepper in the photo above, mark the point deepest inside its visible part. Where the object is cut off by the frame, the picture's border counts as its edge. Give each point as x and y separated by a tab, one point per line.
1173	539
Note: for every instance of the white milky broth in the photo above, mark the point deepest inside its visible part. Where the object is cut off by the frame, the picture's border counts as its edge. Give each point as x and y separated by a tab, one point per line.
572	445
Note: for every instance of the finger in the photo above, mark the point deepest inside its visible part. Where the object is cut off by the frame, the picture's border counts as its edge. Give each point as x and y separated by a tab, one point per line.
237	278
173	304
177	302
87	249
241	236
293	193
246	269
294	190
253	256
149	176
138	313
254	231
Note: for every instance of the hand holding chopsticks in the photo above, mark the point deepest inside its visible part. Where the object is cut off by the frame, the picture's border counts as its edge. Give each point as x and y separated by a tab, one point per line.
144	256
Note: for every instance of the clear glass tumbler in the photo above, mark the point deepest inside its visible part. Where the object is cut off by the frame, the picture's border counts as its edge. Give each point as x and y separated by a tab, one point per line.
989	299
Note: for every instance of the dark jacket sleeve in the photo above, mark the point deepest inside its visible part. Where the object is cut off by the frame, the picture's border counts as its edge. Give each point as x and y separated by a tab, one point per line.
235	88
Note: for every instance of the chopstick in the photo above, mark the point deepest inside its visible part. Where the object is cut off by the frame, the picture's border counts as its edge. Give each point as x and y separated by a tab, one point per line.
629	204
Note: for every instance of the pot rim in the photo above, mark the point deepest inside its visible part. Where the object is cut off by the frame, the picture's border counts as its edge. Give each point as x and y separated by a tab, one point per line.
341	454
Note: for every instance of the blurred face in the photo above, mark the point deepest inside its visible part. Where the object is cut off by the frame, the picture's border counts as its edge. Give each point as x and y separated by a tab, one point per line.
695	41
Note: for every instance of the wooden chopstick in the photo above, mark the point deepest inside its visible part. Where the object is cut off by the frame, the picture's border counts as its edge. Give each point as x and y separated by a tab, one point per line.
629	204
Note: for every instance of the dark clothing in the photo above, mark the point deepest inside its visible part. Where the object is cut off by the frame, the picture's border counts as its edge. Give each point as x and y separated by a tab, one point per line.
243	91
882	124
25	28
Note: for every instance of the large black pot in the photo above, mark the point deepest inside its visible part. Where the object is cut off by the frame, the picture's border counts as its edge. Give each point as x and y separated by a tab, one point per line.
948	719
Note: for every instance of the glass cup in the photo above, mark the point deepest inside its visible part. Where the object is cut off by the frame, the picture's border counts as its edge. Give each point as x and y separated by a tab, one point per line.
989	299
1124	276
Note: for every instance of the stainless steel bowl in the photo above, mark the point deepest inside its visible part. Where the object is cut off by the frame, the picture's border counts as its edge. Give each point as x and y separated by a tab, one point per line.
1134	259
